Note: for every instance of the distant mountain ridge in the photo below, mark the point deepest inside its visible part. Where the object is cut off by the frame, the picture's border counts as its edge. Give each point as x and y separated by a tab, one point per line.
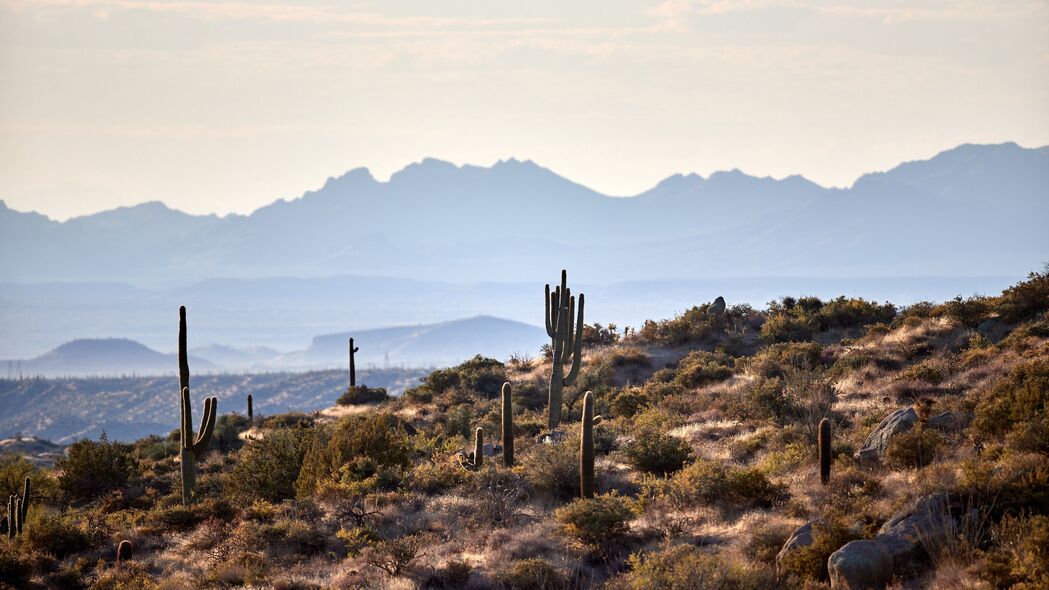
970	211
105	356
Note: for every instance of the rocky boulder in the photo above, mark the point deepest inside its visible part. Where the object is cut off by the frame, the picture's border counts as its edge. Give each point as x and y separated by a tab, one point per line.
717	309
799	539
898	550
878	440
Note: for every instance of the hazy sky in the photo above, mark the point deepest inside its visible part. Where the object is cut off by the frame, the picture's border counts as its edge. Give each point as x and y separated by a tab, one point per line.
215	106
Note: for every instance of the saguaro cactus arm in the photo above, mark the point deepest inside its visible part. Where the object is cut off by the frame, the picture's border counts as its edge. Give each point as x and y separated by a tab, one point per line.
26	490
207	426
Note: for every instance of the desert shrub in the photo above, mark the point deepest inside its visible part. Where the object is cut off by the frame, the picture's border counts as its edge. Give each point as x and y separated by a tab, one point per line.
596	523
700	367
184	518
765	399
810	562
774	360
13	471
459	421
54	534
798	320
929	372
629	356
788	328
628	401
1026	299
530	574
968	312
1016	400
455	574
357	448
694	326
131	575
286	420
913	449
479	374
155	448
362	394
553	469
597	335
765	542
227	432
854	312
687	567
14	569
655	452
1020	556
730	486
393	556
267	468
92	469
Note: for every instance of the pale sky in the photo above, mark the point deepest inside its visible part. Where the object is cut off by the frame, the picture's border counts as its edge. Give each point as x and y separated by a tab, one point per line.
215	106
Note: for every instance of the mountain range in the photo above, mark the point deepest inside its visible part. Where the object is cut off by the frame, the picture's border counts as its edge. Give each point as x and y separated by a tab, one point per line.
975	210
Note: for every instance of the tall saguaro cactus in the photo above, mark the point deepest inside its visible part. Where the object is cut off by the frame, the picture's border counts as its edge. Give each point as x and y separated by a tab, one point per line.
17	510
508	427
566	335
12	517
23	509
191	449
251	413
353	368
586	448
824	450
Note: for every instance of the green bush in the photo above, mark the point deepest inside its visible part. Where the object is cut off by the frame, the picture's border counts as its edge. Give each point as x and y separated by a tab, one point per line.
531	574
654	452
92	469
1015	402
700	367
553	469
54	534
357	448
694	326
267	468
13	471
731	486
913	449
227	432
810	562
687	567
1020	555
628	401
362	394
479	374
1026	299
596	523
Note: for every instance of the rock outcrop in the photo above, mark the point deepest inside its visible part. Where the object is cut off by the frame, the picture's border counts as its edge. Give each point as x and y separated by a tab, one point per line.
799	539
878	440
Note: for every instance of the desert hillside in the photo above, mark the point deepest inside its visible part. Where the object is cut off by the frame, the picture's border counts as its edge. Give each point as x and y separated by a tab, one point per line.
815	443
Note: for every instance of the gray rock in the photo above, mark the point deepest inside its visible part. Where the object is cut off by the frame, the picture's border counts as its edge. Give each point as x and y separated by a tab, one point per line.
878	440
717	309
948	421
897	550
549	438
800	538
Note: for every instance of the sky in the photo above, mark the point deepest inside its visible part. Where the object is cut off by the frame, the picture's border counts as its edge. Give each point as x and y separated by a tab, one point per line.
219	107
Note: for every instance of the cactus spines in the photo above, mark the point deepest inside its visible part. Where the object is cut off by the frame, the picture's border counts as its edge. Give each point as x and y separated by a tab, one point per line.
353	368
566	334
124	551
586	448
508	427
191	449
251	413
824	450
475	462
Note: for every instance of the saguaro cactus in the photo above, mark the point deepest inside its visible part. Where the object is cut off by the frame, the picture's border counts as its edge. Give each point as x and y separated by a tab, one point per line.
12	517
824	450
508	427
191	449
474	463
353	368
566	335
251	413
586	448
124	551
23	508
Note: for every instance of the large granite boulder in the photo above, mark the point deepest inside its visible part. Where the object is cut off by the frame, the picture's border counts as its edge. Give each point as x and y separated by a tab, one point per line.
717	309
799	539
878	440
897	550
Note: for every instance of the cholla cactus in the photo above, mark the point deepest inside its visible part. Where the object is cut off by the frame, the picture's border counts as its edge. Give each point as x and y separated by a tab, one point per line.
824	450
191	449
508	427
586	448
566	335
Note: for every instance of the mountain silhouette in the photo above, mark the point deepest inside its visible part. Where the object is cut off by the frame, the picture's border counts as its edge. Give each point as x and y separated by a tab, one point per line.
974	210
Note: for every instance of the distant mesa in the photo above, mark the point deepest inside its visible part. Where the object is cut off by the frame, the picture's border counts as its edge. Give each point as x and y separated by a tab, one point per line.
102	356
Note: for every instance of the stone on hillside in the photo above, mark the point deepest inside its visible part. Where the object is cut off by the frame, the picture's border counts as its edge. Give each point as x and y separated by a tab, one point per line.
897	550
877	442
799	539
717	309
550	438
948	421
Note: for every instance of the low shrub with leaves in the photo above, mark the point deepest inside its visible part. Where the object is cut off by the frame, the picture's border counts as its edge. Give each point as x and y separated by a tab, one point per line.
597	523
731	486
91	469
